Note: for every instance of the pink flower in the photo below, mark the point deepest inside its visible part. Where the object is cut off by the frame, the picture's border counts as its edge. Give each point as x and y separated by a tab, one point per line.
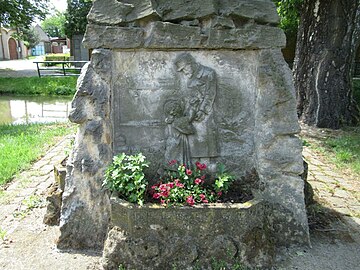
203	198
172	162
190	200
198	181
180	185
165	194
156	195
200	166
219	193
163	187
203	177
162	201
188	172
170	185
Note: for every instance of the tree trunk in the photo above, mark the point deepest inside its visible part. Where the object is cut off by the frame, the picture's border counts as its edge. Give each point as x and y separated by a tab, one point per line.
323	64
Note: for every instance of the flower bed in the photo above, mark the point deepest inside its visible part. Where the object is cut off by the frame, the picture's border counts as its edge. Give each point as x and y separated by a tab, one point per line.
189	225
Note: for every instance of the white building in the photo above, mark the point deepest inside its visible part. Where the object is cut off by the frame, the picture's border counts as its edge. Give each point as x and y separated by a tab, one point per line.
10	48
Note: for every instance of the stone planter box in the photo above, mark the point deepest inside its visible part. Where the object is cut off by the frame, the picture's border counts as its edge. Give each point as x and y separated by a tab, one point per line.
155	237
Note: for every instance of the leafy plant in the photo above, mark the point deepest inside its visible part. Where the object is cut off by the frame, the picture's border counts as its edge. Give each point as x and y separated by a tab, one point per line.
223	180
2	234
185	186
126	176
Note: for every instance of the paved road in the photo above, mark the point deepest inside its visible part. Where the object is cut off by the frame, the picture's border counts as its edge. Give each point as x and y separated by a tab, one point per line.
18	68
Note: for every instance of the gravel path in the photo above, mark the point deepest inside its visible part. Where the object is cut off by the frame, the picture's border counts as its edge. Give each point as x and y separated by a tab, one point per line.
19	68
29	244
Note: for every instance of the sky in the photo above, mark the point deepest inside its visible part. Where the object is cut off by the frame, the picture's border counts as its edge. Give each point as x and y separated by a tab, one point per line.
59	4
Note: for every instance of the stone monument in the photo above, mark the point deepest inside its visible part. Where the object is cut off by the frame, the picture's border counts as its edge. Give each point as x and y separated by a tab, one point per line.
188	80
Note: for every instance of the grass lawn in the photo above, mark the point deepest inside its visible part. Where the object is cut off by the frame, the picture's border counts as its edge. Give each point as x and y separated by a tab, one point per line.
344	150
20	145
54	86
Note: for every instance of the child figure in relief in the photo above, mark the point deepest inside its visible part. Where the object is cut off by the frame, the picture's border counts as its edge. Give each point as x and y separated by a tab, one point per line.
177	132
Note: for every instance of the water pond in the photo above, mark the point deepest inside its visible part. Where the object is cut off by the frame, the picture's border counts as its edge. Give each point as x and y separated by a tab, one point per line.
25	110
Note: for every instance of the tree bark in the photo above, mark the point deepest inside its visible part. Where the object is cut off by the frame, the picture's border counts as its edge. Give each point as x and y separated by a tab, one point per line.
323	63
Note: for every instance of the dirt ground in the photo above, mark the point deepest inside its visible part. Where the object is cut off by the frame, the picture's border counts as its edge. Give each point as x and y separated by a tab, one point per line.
28	244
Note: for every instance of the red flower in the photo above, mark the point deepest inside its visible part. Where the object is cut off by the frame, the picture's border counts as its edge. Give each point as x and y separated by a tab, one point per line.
172	162
163	187
156	195
200	166
202	196
198	181
162	201
203	177
170	185
165	194
205	201
180	185
219	193
190	200
188	172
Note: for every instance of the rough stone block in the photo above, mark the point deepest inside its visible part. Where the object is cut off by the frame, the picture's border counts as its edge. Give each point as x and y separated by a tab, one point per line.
262	11
185	9
247	37
113	12
98	36
52	215
60	174
168	35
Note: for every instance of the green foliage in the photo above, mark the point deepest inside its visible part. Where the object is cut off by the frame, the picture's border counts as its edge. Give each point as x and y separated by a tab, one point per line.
56	57
46	86
75	15
126	176
22	144
28	35
289	12
223	180
305	142
54	25
22	13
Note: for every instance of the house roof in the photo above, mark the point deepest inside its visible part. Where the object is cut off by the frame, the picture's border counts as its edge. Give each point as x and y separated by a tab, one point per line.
42	35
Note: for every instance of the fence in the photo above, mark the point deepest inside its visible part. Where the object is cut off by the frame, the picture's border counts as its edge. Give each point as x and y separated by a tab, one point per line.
66	68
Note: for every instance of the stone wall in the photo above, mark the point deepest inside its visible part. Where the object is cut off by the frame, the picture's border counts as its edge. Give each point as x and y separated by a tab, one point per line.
205	75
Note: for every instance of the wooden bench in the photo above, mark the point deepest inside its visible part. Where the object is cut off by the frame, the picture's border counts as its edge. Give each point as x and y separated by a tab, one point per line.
67	68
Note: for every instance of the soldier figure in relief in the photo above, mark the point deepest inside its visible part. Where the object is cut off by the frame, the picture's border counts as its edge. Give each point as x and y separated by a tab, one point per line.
199	106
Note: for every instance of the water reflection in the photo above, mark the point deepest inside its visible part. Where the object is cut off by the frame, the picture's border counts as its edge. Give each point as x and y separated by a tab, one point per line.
18	110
